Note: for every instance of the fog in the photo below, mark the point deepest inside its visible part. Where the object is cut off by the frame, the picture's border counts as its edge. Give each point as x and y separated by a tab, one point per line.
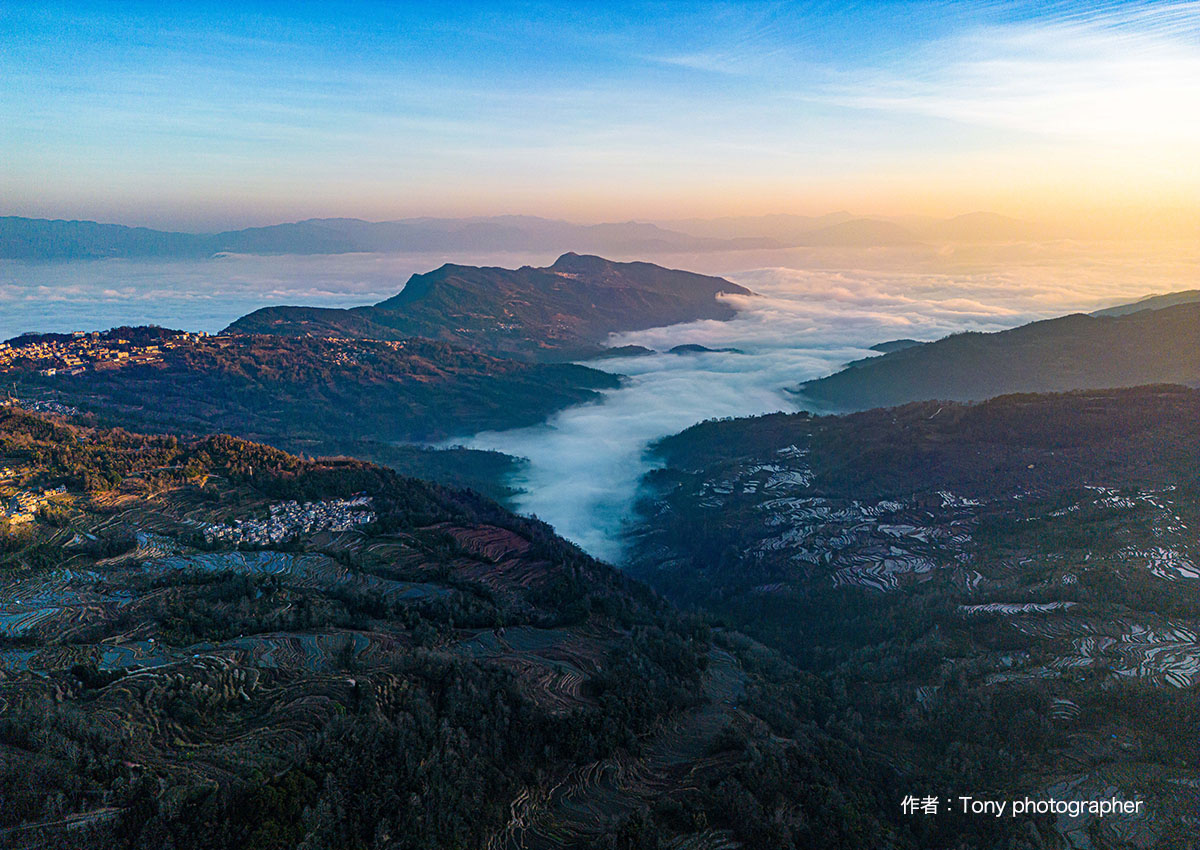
202	295
816	309
208	294
585	464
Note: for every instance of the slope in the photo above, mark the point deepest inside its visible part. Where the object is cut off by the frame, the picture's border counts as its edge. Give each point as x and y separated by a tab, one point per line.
566	309
212	644
1072	352
1006	593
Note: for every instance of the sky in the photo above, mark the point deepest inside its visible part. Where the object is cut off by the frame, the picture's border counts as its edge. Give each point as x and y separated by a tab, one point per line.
208	115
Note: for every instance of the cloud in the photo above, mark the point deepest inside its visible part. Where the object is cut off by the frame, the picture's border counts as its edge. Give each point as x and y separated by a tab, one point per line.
1118	76
586	463
203	295
815	311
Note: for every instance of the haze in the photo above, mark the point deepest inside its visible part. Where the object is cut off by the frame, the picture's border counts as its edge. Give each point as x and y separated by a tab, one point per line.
202	118
585	465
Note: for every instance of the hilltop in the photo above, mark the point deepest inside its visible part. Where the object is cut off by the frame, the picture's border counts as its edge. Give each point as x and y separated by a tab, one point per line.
564	310
1068	353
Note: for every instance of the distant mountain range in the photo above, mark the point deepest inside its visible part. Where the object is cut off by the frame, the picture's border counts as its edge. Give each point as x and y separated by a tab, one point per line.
39	239
25	238
568	308
1154	302
1070	353
845	229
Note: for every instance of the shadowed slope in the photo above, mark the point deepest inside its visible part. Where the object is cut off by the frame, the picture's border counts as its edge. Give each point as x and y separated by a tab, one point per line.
1070	353
568	308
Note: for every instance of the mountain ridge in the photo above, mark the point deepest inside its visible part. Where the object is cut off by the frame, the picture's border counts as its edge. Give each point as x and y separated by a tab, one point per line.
1151	302
30	238
24	237
1074	352
567	309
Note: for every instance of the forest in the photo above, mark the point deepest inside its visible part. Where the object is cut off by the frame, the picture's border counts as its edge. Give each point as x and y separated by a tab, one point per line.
307	389
1005	592
1107	349
450	675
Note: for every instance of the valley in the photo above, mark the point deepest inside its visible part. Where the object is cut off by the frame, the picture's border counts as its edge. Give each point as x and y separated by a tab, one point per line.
1030	560
955	547
625	426
162	685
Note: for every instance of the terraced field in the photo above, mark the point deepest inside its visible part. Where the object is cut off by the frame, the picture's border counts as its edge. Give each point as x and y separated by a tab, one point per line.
1003	563
672	761
555	664
444	675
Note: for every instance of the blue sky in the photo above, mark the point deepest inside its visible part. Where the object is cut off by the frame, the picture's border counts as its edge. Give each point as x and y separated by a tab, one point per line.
206	115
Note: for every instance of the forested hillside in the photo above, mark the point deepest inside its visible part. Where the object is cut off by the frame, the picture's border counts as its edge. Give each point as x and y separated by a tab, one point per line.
310	389
565	310
1008	593
212	644
1074	352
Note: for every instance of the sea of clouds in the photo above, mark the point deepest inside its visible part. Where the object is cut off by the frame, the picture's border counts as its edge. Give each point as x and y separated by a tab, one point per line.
586	463
204	294
814	311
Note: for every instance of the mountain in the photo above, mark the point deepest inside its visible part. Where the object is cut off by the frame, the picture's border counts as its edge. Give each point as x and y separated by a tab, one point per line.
983	227
521	233
319	396
859	232
845	229
895	345
624	351
26	238
1072	352
1153	302
566	309
1008	593
37	239
208	644
783	228
303	237
309	388
693	348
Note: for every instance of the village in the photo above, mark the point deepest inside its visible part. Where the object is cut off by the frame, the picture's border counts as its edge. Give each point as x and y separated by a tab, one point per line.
75	354
288	520
80	351
40	406
23	506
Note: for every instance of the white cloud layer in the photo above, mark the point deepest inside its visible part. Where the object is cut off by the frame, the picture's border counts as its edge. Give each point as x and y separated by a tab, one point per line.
816	310
586	463
202	295
1127	75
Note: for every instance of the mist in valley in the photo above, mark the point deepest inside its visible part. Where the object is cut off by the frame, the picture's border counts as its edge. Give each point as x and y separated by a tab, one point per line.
584	466
815	310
